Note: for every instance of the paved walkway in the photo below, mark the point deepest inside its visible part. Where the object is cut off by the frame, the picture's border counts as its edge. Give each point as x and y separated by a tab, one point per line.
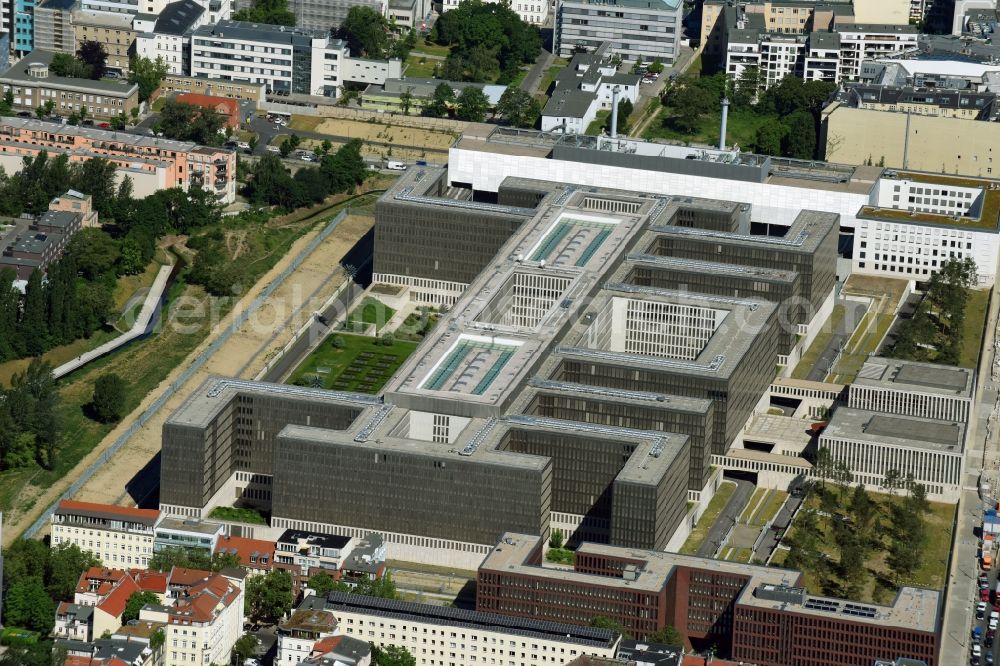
853	313
542	64
738	501
149	307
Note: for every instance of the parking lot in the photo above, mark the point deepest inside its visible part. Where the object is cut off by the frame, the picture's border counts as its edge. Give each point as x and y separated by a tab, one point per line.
987	616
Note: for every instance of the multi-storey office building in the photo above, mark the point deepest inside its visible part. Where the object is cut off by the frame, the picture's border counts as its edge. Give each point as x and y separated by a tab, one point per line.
909	388
437	635
637	29
776	190
119	536
152	163
708	601
872	443
290	60
466	452
782	625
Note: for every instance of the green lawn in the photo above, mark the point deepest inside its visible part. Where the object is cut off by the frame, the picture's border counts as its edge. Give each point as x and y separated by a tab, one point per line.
370	311
561	556
972	327
594	129
432	48
362	364
741	128
769	508
758	496
418	66
715	507
877	586
820	342
550	75
238	515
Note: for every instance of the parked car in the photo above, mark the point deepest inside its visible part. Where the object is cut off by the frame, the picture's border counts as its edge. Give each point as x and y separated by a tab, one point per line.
988	642
981	610
994	620
977	634
976	651
984	595
989	657
105	125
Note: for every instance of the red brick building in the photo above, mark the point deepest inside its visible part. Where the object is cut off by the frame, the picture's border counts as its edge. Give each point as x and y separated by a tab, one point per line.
225	107
752	613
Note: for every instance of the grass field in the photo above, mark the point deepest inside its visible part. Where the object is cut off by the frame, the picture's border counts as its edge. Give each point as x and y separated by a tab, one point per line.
418	66
819	344
369	311
550	75
362	364
972	328
432	48
878	586
741	128
594	128
715	507
768	508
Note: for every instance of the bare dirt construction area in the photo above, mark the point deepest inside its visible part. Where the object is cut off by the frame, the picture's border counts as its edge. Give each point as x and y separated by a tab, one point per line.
376	132
128	477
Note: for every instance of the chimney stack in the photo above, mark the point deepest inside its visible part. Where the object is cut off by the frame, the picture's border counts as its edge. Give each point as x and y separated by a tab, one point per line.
725	119
614	112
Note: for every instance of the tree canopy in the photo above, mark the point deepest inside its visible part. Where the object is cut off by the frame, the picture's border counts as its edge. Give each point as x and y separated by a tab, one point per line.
272	12
518	107
35	576
188	122
147	74
473	105
488	42
135	603
392	655
93	54
109	400
268	597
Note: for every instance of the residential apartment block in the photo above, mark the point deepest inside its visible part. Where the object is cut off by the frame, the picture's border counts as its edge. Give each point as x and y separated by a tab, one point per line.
167	35
708	601
587	85
445	635
32	243
307	624
347	559
637	29
238	90
290	60
152	163
324	15
33	84
53	25
119	536
113	31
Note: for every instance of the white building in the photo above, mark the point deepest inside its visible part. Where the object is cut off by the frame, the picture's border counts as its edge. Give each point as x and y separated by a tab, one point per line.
776	189
286	60
309	623
535	12
168	35
637	29
871	42
204	622
909	388
437	635
584	87
117	535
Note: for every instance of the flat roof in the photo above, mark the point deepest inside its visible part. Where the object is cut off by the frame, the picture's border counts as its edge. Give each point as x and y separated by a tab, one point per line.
189	525
913	608
476	620
106	511
895	430
314	539
18	74
989	213
915	376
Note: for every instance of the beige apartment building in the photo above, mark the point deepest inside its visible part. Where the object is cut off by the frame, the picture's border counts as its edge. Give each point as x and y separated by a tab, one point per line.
197	85
912	141
119	536
114	31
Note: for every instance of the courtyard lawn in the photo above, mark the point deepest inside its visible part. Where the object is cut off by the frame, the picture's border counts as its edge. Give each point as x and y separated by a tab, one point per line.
370	311
972	326
361	364
715	507
819	343
741	128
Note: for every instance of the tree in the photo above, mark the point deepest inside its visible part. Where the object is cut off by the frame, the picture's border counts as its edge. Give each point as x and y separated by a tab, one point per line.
188	122
26	604
366	32
655	67
246	647
406	101
268	597
326	146
892	480
392	655
746	87
767	140
65	564
135	603
601	622
108	402
444	98
689	101
93	54
472	105
168	558
94	251
624	111
323	584
668	635
800	139
383	587
147	74
271	12
488	42
515	106
824	466
64	64
157	640
556	539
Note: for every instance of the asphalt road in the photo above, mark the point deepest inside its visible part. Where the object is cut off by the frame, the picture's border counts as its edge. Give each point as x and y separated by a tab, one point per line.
737	502
852	315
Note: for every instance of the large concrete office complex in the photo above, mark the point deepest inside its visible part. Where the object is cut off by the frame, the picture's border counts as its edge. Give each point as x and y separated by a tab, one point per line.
481	430
757	614
904	416
637	29
948	216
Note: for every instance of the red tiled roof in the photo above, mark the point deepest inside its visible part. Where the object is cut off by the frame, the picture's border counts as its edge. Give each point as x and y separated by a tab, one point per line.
202	599
186	577
209	100
247	547
150	581
124	511
108	578
114	603
324	645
